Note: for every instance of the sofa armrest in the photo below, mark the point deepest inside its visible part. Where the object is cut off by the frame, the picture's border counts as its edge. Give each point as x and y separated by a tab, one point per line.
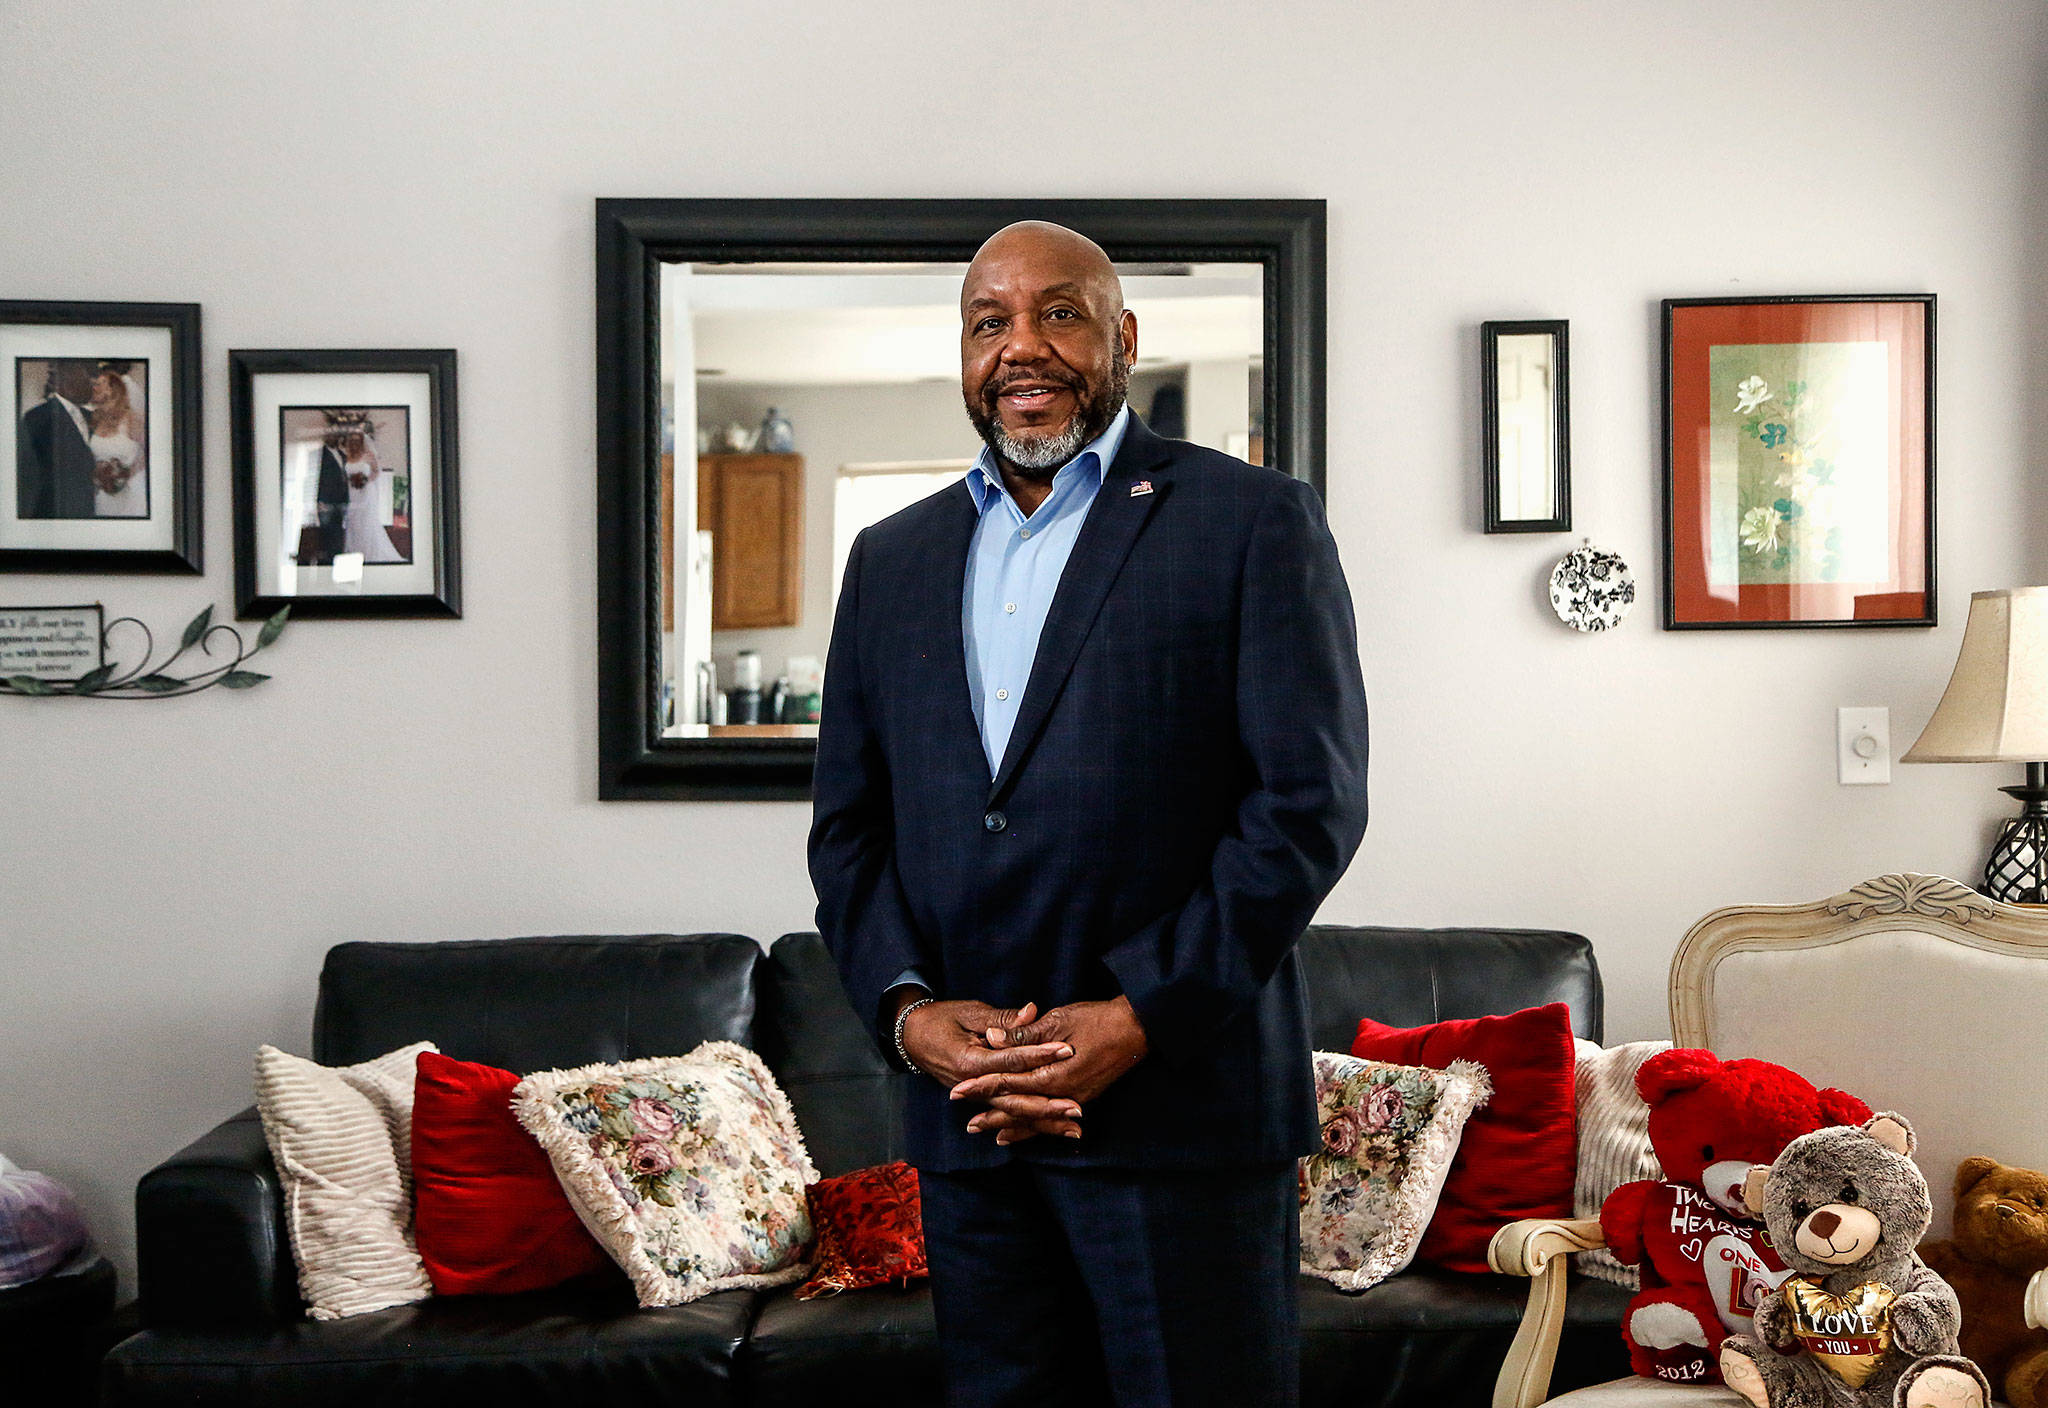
211	1247
2036	1303
1537	1248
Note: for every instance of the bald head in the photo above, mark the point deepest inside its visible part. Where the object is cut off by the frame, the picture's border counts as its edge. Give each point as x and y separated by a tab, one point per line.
1040	248
1046	345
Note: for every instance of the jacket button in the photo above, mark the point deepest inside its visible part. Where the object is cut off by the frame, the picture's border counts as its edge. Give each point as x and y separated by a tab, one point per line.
995	821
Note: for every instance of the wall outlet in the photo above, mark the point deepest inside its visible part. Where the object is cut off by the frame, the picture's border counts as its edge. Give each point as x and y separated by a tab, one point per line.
1863	746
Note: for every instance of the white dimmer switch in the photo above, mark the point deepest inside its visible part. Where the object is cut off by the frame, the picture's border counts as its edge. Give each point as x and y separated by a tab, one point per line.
1863	746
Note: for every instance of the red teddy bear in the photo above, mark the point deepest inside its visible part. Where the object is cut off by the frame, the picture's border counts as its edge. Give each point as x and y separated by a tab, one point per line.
1706	1263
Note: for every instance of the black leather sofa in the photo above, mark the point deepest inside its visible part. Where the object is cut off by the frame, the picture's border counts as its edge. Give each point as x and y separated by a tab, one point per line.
223	1323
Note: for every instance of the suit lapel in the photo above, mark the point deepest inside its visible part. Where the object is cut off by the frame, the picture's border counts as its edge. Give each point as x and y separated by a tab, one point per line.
940	610
1112	525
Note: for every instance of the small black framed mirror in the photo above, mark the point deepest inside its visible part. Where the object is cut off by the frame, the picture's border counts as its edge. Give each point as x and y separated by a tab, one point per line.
1526	442
773	374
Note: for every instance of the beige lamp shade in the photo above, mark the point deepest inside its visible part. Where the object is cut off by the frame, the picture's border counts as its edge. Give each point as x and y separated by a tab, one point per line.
1995	709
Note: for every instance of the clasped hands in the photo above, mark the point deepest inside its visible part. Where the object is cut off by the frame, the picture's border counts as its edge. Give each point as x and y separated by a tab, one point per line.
1029	1074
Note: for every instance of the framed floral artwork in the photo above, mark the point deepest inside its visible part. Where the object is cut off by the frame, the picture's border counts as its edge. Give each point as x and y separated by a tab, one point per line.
1799	462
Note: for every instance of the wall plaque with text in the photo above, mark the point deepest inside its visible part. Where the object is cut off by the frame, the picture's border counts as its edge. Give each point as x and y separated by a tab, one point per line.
50	642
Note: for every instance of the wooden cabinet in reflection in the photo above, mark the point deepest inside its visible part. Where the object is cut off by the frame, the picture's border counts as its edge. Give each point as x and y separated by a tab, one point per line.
754	507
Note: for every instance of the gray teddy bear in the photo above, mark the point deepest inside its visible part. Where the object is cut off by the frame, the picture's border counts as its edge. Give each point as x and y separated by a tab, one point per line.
1862	1322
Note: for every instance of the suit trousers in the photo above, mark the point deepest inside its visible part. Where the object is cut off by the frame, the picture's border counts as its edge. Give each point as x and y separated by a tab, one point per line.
1063	1287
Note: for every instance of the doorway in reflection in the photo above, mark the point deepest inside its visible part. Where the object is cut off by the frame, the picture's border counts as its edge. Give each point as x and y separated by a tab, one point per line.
803	402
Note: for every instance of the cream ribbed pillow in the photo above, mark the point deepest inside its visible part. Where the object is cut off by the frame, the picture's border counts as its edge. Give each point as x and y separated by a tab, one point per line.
1614	1137
341	1137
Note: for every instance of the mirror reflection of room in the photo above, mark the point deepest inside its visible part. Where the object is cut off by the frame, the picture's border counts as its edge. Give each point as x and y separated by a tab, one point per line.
1525	367
803	402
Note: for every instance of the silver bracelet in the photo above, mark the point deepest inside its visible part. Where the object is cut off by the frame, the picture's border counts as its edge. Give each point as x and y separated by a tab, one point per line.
903	1017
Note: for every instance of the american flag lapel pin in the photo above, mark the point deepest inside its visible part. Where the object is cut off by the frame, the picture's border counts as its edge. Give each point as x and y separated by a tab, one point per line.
1141	488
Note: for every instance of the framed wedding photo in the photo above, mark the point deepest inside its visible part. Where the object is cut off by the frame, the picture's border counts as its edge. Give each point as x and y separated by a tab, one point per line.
345	483
1799	462
99	467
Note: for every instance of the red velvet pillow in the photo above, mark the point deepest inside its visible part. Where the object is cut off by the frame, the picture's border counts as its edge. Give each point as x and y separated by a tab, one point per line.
1520	1149
870	1231
488	1214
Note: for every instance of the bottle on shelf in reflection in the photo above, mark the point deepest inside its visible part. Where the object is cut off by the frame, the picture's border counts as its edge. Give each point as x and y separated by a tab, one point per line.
743	706
743	700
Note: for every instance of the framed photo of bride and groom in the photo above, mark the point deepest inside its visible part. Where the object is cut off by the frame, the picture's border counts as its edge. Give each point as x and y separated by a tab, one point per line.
101	472
345	482
344	461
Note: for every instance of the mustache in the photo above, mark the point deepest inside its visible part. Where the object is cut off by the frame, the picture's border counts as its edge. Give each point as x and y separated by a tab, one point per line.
993	389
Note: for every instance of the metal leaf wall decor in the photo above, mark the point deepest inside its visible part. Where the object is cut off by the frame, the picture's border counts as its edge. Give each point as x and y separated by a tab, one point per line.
146	681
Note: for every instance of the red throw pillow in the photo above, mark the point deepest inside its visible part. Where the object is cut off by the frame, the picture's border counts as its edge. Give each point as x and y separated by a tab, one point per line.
1520	1149
870	1231
488	1214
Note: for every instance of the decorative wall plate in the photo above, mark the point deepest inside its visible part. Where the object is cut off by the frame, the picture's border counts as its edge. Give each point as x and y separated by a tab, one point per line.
1591	590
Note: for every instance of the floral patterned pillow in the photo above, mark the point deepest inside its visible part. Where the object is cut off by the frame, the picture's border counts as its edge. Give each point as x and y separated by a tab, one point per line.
1389	1135
689	1170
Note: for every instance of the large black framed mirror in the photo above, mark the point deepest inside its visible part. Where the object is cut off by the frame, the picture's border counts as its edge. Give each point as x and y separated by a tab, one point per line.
774	374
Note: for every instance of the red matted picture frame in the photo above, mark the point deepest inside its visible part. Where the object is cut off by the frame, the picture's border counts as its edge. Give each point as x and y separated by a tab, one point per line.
1799	462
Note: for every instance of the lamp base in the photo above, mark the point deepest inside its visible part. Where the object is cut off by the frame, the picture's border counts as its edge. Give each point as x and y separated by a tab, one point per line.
2017	870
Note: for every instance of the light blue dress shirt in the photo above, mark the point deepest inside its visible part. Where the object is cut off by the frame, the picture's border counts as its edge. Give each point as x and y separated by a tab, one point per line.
1014	565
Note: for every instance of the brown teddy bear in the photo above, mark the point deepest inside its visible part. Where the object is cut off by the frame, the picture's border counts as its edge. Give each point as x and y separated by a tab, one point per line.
2001	1239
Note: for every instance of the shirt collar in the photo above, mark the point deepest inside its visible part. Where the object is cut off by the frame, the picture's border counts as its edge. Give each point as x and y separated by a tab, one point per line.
985	481
77	415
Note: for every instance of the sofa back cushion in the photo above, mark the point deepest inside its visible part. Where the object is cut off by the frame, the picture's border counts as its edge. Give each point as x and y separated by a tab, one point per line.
1412	977
849	1101
537	1004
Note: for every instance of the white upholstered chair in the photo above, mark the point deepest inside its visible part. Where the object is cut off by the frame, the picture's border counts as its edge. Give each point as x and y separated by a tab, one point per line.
1912	991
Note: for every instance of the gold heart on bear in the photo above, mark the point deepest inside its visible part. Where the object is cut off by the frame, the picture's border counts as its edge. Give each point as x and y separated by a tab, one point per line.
1848	1334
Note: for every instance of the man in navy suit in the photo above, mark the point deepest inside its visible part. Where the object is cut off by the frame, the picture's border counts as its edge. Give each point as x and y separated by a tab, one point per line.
53	461
330	499
1093	751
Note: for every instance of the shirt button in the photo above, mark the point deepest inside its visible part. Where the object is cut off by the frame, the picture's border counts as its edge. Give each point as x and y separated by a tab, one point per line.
1002	694
1010	606
995	821
1023	532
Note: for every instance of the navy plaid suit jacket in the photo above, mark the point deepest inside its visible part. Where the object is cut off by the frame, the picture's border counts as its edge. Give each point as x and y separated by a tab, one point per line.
1185	783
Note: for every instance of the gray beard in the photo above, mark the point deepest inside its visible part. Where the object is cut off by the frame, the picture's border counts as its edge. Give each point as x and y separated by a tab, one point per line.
1045	454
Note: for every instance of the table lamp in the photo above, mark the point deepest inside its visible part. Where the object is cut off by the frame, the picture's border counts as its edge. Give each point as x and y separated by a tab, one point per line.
1995	710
